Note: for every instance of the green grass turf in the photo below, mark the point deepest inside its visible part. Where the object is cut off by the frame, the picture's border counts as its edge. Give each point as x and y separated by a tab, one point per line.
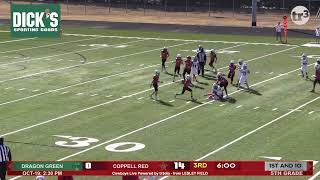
50	85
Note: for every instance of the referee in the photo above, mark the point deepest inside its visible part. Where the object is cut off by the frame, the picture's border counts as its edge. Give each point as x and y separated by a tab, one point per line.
5	156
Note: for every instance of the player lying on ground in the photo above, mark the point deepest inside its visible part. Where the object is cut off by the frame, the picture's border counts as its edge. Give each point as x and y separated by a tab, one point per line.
317	75
216	92
304	65
186	87
155	84
164	54
178	63
232	70
194	69
187	67
213	60
222	82
244	73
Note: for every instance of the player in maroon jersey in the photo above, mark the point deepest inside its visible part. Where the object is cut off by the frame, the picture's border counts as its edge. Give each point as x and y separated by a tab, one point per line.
317	78
187	67
232	70
223	82
213	59
155	84
187	84
164	56
178	63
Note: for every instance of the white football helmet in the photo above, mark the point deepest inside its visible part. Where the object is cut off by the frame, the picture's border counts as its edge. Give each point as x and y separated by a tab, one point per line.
178	55
241	61
157	72
219	74
304	55
213	50
232	62
318	61
188	77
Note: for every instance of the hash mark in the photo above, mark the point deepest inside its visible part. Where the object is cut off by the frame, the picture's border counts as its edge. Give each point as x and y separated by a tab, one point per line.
256	107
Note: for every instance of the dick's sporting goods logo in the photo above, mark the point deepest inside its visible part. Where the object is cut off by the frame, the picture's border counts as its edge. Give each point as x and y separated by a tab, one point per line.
41	20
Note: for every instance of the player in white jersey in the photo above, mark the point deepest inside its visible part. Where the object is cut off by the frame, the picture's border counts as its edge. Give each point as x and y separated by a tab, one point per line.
244	73
195	68
317	34
216	92
304	65
240	62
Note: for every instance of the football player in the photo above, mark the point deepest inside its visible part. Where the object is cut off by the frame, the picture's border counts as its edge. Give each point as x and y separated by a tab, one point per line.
187	87
155	84
244	72
178	63
232	70
216	92
240	62
304	65
213	60
317	75
194	69
187	67
164	56
222	82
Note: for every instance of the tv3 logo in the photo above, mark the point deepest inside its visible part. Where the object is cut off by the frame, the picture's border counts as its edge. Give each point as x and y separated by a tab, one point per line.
300	15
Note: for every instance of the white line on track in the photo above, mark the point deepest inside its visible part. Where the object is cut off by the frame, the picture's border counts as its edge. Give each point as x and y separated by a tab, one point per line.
65	92
274	109
311	112
253	131
295	110
163	39
21	89
108	96
16	40
48	45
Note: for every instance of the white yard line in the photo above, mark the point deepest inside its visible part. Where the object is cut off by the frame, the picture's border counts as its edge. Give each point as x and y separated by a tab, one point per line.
72	52
221	105
16	40
274	109
164	39
256	108
311	112
253	131
314	176
238	106
93	62
48	45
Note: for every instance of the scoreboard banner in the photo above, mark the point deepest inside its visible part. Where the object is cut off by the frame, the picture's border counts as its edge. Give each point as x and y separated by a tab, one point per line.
160	168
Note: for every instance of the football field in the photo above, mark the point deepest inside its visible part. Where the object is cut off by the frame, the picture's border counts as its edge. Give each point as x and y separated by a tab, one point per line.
86	96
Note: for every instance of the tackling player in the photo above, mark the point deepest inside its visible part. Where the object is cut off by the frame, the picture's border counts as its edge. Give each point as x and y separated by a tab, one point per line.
186	87
216	92
317	78
187	67
213	60
304	65
244	72
155	84
194	69
232	70
178	63
223	82
164	56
